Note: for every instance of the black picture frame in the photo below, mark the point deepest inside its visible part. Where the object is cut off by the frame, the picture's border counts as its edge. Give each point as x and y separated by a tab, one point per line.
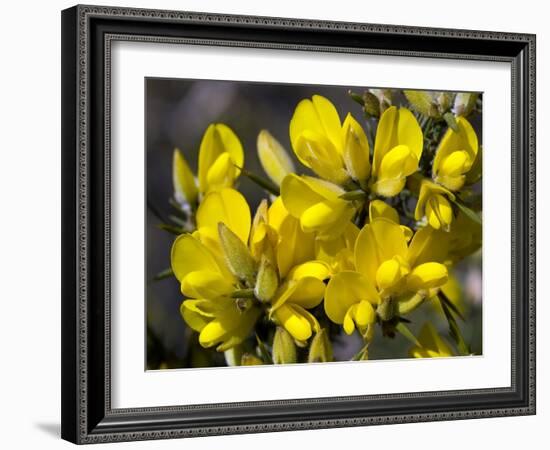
87	33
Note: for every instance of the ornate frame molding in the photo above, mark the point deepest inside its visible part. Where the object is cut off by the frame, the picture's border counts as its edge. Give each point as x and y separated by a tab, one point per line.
87	39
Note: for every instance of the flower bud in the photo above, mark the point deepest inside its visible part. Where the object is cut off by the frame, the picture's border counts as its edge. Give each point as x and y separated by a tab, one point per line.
185	186
267	281
321	348
273	157
372	104
237	255
423	102
284	348
356	150
464	103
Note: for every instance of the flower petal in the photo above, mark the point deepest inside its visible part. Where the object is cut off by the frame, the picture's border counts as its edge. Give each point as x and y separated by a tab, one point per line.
205	284
293	322
274	159
308	293
315	269
377	242
218	138
396	127
428	245
227	206
298	195
356	149
222	173
190	255
329	119
327	215
344	290
193	318
379	208
185	187
427	276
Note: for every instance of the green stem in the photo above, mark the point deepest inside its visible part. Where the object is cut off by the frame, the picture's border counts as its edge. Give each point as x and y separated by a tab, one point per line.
262	182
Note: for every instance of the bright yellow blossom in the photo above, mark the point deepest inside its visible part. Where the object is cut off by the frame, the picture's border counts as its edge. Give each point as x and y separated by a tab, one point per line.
220	156
385	268
227	255
397	151
208	285
434	203
334	151
317	204
431	344
302	289
202	265
455	155
351	300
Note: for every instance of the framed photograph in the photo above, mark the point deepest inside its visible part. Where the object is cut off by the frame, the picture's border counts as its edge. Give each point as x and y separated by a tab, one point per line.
282	224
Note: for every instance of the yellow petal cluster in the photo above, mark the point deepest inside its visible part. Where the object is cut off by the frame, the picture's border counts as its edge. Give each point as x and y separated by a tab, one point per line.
339	244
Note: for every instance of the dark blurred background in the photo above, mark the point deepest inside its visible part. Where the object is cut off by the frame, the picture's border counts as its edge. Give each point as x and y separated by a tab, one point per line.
177	114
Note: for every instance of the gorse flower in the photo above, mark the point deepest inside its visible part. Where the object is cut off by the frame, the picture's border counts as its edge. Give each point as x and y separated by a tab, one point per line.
370	232
317	204
386	268
201	264
220	157
434	203
455	155
397	151
318	138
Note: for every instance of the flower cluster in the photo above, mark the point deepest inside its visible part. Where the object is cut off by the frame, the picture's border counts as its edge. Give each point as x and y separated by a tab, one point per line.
364	231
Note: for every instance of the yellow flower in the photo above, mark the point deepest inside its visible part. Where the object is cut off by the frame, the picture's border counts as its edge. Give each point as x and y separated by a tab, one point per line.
433	203
299	276
317	204
205	265
431	344
385	268
351	300
383	257
334	151
455	155
208	285
302	289
273	157
397	151
220	155
227	257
